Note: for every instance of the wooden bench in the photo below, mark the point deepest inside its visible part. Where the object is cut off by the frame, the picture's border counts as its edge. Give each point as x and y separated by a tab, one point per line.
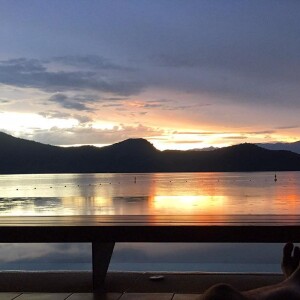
104	231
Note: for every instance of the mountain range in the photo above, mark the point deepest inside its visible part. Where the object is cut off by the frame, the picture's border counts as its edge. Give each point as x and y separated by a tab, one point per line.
294	147
20	156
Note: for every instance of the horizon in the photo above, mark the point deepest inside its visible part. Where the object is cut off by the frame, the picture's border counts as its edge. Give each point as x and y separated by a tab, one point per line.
191	149
182	75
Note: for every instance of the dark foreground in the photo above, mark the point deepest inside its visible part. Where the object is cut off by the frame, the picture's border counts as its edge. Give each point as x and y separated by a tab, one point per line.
121	285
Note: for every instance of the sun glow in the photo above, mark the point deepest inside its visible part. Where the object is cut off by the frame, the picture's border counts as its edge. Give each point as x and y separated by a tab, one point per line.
105	125
189	204
20	122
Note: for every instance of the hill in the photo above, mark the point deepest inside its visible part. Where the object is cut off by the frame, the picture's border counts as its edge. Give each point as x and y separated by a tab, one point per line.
294	147
137	155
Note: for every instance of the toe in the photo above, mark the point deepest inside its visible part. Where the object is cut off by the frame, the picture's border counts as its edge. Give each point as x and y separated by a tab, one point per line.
297	254
288	249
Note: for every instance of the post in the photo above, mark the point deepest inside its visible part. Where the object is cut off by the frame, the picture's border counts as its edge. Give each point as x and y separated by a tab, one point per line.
101	255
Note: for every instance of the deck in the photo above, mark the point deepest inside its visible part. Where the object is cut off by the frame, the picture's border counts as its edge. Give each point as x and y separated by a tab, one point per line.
104	231
122	285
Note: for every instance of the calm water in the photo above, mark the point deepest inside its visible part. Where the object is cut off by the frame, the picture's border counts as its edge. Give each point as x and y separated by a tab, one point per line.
158	193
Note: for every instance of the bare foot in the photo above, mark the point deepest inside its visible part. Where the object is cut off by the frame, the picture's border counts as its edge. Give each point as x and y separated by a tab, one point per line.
288	289
290	259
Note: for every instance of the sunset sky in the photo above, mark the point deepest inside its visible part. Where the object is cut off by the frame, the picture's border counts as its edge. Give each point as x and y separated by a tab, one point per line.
181	73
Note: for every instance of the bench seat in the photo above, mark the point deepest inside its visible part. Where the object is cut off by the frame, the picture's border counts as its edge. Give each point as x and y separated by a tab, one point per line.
103	231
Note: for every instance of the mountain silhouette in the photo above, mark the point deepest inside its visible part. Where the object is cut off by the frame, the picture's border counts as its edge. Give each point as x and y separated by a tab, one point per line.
20	156
294	147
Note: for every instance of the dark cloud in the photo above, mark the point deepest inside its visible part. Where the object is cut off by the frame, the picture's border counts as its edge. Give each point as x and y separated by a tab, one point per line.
237	56
31	73
74	102
243	52
53	114
112	105
91	62
21	65
236	137
224	133
250	39
4	101
152	105
288	127
114	99
185	107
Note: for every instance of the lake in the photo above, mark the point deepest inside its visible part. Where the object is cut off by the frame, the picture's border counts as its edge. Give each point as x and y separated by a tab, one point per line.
154	194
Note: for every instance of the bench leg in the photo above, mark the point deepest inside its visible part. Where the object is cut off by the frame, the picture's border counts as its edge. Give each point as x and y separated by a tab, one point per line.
101	254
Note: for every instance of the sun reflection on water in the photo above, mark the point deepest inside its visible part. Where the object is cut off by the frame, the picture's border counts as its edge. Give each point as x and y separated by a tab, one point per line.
150	194
187	204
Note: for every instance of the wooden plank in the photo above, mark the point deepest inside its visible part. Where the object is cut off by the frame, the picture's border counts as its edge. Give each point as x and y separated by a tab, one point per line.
8	296
150	220
147	296
221	228
95	296
187	297
43	296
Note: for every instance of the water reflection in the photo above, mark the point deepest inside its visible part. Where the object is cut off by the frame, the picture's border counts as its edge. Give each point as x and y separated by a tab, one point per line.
154	194
151	194
187	205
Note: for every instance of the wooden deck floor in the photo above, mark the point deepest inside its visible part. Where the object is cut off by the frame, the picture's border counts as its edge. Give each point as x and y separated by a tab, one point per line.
122	285
91	296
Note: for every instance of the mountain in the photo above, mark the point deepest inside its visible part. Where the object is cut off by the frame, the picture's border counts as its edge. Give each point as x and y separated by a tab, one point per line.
24	156
137	155
294	147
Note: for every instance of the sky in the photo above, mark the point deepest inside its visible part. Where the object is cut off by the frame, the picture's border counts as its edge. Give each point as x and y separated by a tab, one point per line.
182	74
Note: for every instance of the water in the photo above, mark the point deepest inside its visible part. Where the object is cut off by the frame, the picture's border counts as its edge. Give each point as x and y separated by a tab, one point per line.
157	193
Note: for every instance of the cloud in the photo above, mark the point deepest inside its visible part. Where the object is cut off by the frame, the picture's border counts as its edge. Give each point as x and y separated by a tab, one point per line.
75	102
89	135
186	141
22	65
288	127
28	73
236	137
112	105
248	53
91	62
114	98
54	114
